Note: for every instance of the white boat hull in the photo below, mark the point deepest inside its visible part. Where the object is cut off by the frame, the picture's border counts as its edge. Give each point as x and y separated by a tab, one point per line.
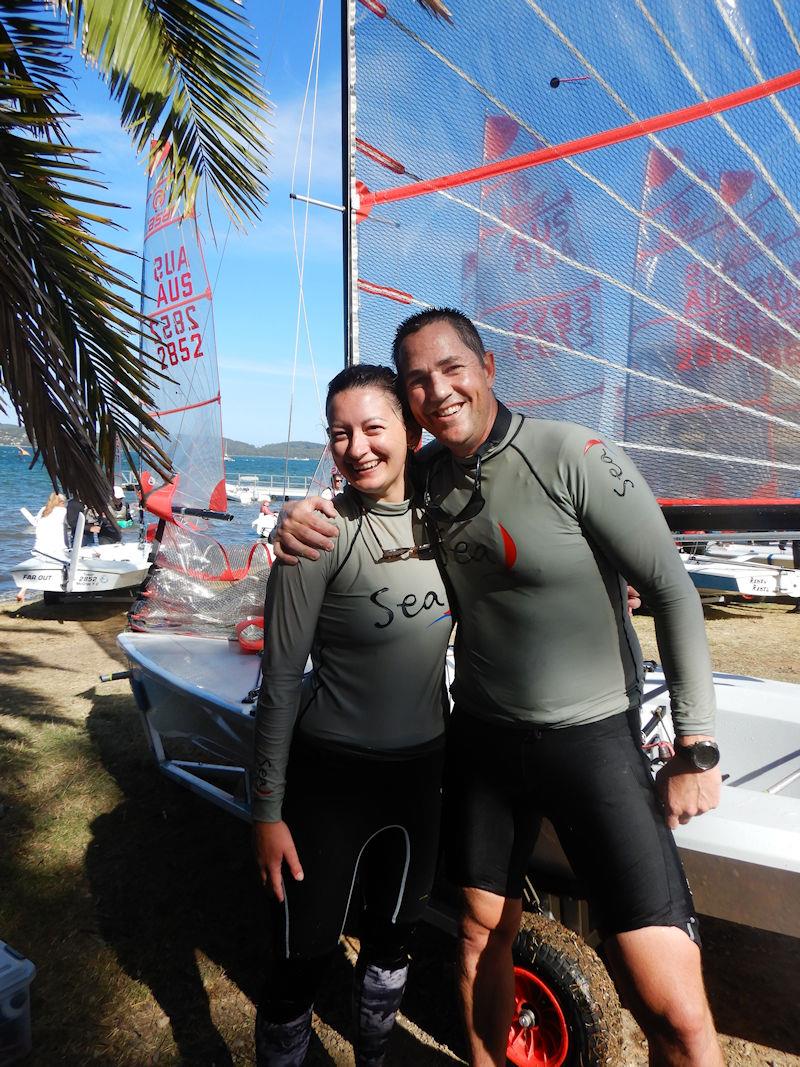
99	569
743	860
729	577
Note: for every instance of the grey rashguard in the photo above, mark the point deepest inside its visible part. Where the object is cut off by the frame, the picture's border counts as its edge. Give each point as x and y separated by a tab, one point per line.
377	633
539	574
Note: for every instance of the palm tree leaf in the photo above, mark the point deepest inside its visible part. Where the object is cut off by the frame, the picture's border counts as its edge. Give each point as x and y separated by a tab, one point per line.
184	72
69	335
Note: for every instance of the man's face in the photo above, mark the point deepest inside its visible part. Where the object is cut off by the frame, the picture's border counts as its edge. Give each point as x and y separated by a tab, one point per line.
449	390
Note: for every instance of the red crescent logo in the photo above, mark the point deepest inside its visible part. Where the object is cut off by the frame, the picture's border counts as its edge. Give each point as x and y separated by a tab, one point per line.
509	546
590	444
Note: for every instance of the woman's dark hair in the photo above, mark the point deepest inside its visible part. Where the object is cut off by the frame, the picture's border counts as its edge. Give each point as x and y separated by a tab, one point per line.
463	327
367	376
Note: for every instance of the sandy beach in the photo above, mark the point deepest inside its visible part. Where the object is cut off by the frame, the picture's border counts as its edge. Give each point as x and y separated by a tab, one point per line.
138	905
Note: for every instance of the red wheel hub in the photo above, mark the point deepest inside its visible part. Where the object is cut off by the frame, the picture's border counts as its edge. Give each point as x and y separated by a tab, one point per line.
538	1036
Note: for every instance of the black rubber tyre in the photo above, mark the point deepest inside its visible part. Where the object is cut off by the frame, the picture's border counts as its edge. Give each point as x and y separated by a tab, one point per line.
563	987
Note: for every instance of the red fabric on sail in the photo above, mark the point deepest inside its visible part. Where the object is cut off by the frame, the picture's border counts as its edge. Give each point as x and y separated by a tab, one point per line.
177	301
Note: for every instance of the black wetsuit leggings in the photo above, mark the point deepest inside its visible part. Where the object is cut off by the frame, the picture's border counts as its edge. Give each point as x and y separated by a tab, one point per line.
366	831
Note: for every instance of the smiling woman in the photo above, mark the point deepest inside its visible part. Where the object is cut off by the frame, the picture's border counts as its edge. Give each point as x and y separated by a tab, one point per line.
356	800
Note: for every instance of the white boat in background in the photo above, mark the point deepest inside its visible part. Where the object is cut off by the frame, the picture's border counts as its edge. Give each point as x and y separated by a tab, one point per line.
254	488
735	577
85	568
773	555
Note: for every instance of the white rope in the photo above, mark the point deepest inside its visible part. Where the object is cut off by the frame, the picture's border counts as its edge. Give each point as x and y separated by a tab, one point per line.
787	25
608	190
300	255
728	18
710	455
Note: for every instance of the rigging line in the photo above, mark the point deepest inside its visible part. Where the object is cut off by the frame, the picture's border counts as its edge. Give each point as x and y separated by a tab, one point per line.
671	156
723	122
598	182
778	5
750	60
314	375
300	260
670	313
618	368
635	445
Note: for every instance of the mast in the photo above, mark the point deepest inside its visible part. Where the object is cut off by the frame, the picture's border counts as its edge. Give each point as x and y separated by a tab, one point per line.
349	247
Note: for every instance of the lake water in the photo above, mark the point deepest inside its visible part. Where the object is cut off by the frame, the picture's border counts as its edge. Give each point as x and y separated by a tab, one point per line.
23	487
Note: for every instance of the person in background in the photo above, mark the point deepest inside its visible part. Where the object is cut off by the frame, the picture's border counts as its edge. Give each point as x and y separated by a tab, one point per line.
264	522
119	507
336	486
348	758
50	535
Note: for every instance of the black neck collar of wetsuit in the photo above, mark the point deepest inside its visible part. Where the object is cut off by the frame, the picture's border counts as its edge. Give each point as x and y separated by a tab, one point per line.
497	434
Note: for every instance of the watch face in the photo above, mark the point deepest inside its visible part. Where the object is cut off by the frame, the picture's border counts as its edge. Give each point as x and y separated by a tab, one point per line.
703	755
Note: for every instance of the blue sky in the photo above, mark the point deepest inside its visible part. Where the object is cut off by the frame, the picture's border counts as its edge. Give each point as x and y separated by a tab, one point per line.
254	273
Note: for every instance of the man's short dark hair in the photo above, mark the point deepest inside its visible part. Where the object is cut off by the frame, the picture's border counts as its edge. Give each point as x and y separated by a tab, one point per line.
463	326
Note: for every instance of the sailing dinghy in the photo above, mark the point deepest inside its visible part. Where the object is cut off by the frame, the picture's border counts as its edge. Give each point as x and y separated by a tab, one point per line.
611	192
84	568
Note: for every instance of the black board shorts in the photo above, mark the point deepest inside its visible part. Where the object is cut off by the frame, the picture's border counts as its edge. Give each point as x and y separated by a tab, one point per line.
366	830
594	784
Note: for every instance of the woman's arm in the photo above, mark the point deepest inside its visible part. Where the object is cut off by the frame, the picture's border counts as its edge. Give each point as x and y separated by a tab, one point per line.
293	603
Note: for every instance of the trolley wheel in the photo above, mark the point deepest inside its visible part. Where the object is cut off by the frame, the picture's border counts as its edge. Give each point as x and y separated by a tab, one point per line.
566	1010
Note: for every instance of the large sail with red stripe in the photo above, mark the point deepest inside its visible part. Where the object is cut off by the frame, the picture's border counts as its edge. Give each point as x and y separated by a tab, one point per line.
612	192
177	300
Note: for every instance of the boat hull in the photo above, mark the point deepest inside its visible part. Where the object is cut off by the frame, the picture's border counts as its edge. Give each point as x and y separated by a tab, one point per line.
99	570
742	860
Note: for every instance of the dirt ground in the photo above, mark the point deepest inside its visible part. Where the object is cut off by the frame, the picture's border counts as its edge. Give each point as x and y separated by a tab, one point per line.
137	902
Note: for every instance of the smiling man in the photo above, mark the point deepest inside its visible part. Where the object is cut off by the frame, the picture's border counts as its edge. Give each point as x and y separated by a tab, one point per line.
539	526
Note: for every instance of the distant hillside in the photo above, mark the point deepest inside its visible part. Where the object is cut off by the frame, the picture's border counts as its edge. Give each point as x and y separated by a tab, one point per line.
297	449
15	435
12	435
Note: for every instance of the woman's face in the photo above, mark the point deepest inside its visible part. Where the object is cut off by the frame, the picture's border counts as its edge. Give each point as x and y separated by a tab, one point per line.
369	442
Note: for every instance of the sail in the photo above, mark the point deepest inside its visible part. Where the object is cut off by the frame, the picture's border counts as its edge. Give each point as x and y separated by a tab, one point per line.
617	211
177	300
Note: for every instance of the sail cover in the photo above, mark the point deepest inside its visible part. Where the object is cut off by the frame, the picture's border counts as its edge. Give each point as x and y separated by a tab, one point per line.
176	298
612	193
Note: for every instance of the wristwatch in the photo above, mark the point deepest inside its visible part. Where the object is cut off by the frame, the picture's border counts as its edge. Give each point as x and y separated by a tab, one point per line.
702	755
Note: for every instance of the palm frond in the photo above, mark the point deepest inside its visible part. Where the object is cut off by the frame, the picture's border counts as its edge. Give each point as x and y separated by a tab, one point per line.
69	335
184	72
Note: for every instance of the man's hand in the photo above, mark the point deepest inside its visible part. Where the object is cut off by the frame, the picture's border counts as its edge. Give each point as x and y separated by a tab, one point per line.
273	846
686	792
302	529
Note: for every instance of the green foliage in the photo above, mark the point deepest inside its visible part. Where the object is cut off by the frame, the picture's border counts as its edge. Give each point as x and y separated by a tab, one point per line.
70	328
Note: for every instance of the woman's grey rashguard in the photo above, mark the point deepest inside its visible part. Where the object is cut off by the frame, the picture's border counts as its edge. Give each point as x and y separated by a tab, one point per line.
548	668
366	727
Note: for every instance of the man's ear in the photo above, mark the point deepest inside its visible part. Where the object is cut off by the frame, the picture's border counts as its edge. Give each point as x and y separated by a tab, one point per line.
489	366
